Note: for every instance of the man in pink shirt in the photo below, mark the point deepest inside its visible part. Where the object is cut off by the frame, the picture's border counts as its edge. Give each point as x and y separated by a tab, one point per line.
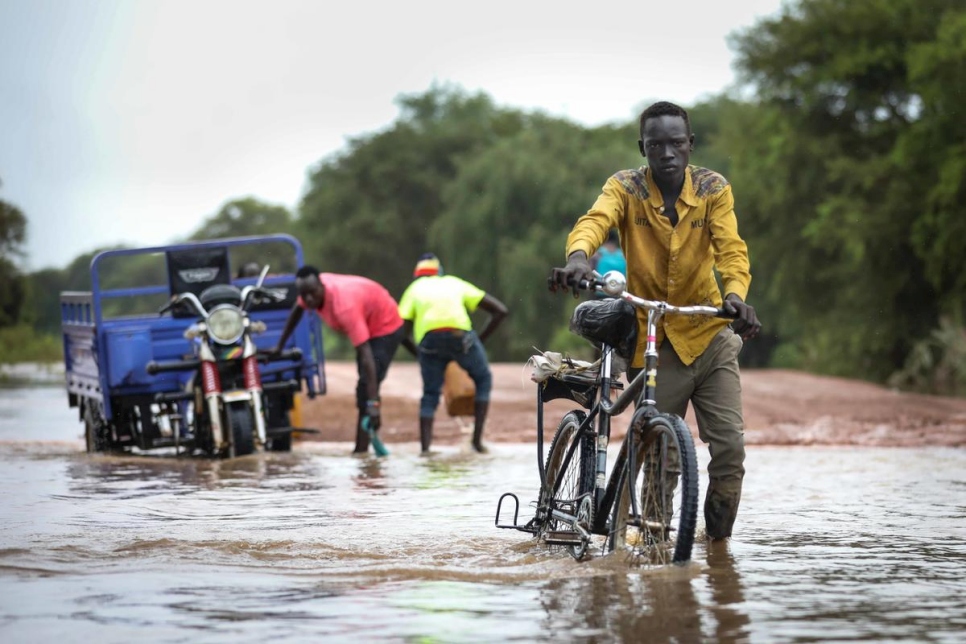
364	311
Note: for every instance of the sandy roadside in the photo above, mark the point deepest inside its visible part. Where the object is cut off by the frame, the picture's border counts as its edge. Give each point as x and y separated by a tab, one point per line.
781	408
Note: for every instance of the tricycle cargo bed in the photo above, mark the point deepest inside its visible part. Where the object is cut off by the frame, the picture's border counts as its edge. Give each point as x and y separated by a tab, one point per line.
131	343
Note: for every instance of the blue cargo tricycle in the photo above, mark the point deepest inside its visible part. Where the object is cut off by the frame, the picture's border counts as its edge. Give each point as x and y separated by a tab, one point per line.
173	347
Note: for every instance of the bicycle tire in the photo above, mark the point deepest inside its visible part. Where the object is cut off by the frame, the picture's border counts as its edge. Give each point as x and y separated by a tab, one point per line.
669	511
576	480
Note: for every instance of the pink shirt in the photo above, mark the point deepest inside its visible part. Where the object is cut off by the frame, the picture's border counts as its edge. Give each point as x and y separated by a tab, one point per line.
357	307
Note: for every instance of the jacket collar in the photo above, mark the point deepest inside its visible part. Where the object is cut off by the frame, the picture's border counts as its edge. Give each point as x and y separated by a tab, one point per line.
656	199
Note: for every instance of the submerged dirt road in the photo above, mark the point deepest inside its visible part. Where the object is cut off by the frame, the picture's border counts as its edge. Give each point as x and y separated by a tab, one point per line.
781	408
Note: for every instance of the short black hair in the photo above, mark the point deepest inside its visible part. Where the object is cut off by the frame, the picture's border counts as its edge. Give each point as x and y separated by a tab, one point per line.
664	108
307	270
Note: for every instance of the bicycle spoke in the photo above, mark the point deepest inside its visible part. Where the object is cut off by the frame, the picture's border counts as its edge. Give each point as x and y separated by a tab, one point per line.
572	480
665	481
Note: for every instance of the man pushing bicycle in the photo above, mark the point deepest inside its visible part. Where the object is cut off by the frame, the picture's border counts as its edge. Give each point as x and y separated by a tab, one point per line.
677	223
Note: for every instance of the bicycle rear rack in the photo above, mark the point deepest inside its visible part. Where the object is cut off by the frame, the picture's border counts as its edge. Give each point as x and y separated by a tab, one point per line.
528	527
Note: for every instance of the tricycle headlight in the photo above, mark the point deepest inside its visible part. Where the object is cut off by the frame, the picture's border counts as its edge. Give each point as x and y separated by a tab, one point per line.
225	324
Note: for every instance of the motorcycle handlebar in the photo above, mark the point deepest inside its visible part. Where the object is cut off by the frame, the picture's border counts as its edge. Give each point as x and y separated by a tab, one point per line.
190	298
251	295
179	365
292	355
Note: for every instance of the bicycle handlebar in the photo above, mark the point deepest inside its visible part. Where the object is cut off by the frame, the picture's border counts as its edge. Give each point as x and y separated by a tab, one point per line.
603	285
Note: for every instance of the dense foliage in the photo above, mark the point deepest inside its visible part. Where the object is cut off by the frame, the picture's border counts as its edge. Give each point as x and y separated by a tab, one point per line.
849	166
13	233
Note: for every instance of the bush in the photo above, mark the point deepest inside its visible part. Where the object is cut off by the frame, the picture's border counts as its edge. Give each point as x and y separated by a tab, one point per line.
22	343
936	364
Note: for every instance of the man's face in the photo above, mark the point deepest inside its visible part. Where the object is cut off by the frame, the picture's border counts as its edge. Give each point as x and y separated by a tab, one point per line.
311	290
666	144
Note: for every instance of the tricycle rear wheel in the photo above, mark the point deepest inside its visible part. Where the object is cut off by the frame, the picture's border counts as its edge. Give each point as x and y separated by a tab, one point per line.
277	416
94	427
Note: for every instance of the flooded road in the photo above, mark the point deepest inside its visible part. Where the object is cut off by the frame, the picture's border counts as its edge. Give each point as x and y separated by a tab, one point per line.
831	544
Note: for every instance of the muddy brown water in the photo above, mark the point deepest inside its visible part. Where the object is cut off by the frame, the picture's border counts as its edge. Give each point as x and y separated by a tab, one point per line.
833	544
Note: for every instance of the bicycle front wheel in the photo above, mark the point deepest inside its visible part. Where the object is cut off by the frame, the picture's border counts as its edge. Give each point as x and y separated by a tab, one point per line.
665	483
570	483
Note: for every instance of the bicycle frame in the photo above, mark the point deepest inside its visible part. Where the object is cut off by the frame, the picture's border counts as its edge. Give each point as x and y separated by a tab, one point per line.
602	410
641	390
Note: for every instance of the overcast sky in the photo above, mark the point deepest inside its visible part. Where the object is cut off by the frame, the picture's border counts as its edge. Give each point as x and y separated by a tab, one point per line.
132	121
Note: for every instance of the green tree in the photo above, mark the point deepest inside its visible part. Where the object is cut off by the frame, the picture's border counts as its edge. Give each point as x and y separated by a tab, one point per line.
507	214
247	217
833	195
13	233
244	217
368	210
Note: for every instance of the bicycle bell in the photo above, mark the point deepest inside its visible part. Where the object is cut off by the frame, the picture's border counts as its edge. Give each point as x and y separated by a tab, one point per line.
613	283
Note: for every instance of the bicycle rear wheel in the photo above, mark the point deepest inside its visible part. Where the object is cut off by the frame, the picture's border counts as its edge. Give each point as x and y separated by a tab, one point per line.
573	480
666	484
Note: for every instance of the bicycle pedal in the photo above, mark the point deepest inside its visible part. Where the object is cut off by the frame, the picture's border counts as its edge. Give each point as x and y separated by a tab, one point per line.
563	538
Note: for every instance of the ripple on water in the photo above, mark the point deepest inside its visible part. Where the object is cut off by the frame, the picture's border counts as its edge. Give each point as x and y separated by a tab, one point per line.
852	544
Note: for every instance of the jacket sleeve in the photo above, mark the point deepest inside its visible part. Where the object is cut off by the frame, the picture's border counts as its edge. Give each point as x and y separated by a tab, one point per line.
730	250
591	230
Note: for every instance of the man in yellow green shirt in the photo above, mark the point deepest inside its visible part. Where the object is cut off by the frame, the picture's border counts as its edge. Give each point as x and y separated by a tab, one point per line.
437	329
677	224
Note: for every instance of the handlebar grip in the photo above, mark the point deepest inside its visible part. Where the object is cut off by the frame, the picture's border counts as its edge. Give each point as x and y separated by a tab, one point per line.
727	315
583	284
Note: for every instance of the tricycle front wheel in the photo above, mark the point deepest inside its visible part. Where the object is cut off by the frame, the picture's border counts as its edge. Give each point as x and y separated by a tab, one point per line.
242	428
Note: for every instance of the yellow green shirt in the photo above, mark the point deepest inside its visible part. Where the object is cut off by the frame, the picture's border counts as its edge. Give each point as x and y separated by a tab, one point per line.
439	302
675	264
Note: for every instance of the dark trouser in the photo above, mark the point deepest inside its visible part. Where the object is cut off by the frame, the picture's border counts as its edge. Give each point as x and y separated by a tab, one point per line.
383	350
713	384
438	349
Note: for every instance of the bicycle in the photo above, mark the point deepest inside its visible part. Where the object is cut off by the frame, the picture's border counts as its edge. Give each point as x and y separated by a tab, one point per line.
657	456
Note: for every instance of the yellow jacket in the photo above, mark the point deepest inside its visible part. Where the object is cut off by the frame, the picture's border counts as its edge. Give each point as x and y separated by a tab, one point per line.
672	264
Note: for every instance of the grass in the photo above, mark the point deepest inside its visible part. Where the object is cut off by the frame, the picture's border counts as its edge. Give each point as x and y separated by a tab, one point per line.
22	343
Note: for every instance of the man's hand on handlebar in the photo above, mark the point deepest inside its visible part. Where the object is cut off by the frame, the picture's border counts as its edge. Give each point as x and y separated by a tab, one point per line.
746	322
578	268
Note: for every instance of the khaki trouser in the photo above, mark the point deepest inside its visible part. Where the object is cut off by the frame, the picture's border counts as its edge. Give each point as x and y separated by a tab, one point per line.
713	384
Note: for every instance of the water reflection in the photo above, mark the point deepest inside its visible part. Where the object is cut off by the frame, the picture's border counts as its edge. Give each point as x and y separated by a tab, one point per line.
649	604
450	470
108	474
370	475
727	594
